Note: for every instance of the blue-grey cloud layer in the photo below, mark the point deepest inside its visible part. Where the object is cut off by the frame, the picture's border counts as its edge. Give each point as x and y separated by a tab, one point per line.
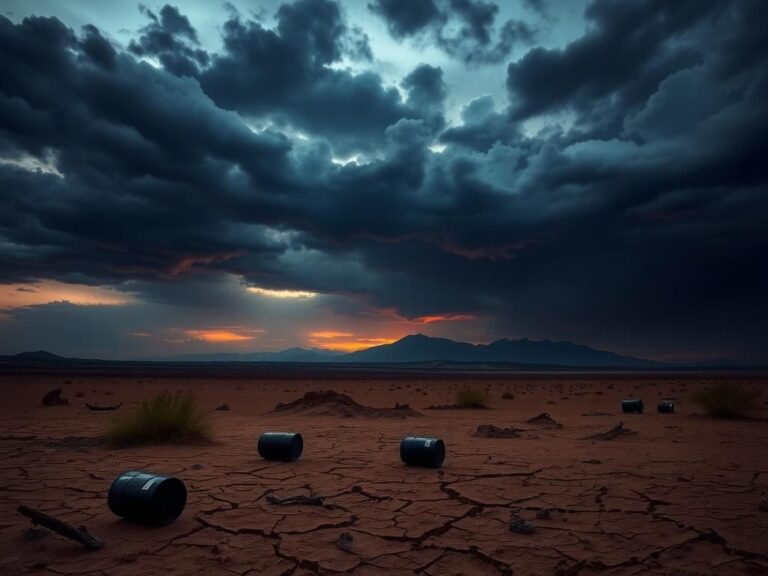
642	223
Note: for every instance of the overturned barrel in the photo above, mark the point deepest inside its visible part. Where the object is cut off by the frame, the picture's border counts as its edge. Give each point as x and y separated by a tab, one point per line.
420	451
632	405
667	406
147	498
283	446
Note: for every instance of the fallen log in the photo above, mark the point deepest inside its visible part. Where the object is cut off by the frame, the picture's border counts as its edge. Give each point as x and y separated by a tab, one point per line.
61	527
99	407
617	430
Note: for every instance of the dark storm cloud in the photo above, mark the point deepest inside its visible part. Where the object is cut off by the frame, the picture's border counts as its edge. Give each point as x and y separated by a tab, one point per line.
637	44
138	150
464	29
171	39
283	74
407	18
644	222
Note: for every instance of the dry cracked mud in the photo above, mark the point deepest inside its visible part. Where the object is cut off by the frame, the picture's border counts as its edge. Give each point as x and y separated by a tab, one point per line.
682	496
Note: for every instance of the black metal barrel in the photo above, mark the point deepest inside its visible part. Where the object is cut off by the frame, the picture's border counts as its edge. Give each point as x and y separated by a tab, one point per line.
667	406
632	405
420	451
148	498
283	446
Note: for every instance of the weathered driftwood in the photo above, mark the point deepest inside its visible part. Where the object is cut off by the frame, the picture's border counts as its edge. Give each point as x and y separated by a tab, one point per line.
61	527
107	407
309	500
617	430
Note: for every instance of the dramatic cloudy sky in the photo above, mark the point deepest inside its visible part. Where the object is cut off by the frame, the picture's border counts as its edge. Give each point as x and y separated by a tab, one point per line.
259	175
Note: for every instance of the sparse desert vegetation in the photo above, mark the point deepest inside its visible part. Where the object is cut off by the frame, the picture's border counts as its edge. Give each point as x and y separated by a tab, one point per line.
167	417
726	400
469	397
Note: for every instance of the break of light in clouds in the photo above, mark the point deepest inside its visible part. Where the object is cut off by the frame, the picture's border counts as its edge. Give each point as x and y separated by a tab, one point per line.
190	177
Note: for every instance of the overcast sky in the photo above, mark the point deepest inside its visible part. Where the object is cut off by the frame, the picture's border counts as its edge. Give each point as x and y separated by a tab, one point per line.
202	177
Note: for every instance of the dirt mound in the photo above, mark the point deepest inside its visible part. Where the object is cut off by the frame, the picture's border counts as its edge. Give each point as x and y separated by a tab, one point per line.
53	398
491	431
545	421
331	403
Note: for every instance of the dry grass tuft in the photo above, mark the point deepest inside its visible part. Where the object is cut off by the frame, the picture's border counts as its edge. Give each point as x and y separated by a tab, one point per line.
727	400
469	397
166	418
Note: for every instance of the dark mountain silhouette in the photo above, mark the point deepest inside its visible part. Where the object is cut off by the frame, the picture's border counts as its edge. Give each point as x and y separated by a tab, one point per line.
416	348
289	355
420	348
39	356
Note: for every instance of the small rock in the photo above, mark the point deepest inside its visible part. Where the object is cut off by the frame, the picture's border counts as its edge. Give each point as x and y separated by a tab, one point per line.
79	394
544	514
344	542
222	407
53	398
763	506
520	526
592	461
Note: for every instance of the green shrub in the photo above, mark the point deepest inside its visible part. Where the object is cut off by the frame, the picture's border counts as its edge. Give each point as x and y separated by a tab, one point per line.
727	400
469	397
165	418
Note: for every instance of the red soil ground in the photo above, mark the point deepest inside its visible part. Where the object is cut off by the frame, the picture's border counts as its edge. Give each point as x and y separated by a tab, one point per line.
681	496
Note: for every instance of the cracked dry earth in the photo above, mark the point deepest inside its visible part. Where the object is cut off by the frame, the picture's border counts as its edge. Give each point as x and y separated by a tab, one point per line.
681	496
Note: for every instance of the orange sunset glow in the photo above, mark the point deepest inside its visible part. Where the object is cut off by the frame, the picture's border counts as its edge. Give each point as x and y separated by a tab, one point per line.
219	336
48	291
344	341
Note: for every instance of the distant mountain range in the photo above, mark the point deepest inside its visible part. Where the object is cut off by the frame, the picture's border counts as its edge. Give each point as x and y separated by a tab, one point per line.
288	355
416	348
420	348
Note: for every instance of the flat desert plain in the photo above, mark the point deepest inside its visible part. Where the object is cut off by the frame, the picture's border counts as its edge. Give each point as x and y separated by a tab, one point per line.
681	494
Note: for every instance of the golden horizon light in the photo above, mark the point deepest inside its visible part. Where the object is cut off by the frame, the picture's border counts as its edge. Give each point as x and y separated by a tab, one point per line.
282	294
222	335
52	291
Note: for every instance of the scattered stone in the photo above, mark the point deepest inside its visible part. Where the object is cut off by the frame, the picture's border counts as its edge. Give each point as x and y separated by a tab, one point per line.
545	421
491	431
53	398
520	526
222	407
597	414
196	467
763	506
507	396
592	461
544	514
79	394
103	407
344	542
331	403
308	500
